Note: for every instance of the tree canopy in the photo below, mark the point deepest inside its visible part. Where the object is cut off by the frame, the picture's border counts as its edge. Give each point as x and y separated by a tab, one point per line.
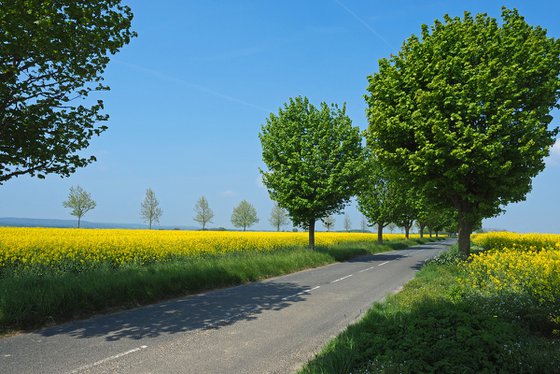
52	53
378	198
244	215
150	210
80	201
463	112
203	212
314	158
278	217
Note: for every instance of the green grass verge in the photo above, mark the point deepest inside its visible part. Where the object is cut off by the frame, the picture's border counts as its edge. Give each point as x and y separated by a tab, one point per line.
29	300
433	326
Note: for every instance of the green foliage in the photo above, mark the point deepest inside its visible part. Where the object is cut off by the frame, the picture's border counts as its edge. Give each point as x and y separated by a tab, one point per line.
315	160
52	52
80	201
149	208
203	212
278	217
385	199
244	215
463	112
376	198
431	327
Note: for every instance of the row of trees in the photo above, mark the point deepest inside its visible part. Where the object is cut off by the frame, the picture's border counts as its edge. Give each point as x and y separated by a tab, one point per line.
458	127
244	215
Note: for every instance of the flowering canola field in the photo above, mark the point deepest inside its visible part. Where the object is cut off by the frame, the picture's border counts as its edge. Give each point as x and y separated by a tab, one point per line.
518	263
80	249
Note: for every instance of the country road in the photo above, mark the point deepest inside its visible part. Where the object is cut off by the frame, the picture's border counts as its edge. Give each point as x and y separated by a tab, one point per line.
273	326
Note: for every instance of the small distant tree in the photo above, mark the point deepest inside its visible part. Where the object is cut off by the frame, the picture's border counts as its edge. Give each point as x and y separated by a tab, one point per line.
328	222
347	223
363	224
204	214
314	158
391	226
244	215
80	201
278	217
149	209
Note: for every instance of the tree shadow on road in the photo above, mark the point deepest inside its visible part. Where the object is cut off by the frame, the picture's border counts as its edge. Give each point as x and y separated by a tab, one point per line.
199	312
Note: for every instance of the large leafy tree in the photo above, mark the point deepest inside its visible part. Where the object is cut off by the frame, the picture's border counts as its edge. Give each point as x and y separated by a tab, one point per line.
53	52
314	158
463	112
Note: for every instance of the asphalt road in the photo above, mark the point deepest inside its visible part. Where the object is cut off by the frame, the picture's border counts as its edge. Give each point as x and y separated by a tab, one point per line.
274	326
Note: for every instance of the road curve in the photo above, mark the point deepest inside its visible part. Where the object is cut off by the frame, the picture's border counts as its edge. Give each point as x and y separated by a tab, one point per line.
273	326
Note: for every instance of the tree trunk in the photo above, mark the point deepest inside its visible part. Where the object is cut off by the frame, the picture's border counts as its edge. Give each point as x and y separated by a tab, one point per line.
312	234
380	233
465	231
79	218
407	232
422	231
437	234
430	231
244	228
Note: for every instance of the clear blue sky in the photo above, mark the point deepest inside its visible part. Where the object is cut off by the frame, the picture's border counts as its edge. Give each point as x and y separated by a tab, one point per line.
188	97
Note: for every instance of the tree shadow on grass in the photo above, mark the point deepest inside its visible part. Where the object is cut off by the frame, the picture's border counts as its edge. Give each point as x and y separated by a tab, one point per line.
212	310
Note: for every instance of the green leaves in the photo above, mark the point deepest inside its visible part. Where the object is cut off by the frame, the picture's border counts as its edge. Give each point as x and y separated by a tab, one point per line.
80	202
314	157
464	110
244	215
51	53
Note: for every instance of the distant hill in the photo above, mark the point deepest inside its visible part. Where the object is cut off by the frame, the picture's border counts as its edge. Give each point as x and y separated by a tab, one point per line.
37	222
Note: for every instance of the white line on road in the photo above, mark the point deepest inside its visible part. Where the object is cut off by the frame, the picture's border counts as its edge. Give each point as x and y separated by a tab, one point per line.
366	269
111	358
307	291
300	293
339	279
383	263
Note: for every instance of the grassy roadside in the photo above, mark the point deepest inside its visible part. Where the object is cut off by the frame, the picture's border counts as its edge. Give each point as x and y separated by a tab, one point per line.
433	325
32	300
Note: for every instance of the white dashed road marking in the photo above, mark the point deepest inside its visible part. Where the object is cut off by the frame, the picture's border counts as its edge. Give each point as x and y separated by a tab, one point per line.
343	278
111	358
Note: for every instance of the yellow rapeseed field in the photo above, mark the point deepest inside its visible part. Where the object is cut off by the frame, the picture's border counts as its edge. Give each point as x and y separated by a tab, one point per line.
526	263
523	242
83	248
